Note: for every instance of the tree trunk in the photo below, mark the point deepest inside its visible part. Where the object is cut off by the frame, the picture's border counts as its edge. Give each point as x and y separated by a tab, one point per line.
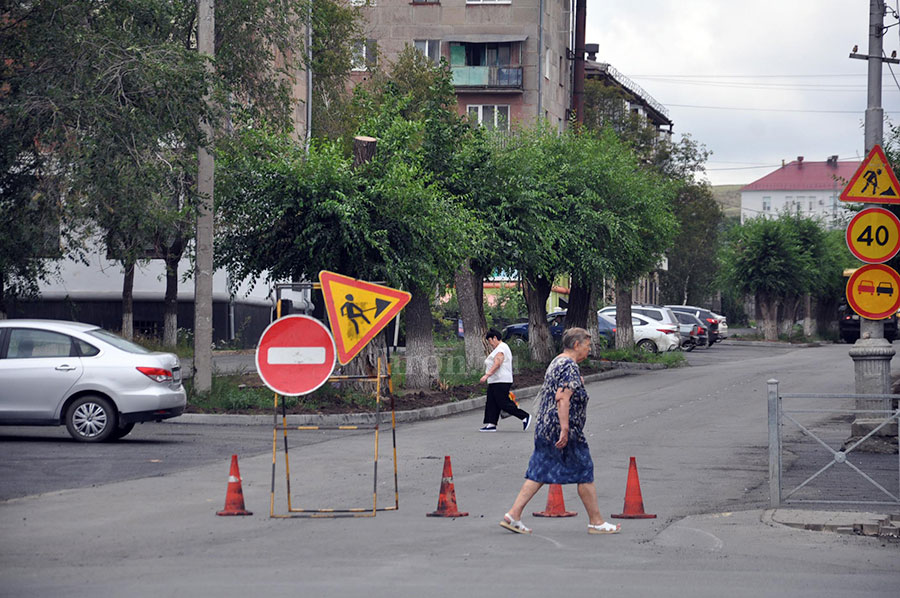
470	295
580	305
421	363
363	149
809	320
624	331
536	291
173	253
592	327
788	315
3	313
170	303
768	308
128	301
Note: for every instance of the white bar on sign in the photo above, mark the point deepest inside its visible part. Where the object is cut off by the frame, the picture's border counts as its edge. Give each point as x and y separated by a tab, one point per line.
296	355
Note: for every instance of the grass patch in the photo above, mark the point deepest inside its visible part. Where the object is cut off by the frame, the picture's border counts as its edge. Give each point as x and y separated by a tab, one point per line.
231	394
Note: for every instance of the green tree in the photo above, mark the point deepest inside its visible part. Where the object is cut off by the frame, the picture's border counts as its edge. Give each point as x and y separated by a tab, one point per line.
390	219
776	261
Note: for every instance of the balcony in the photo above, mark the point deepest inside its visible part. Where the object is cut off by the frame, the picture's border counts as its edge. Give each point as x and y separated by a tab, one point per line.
487	77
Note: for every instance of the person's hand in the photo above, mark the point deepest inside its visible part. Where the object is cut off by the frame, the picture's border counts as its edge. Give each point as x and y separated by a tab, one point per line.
484	378
563	438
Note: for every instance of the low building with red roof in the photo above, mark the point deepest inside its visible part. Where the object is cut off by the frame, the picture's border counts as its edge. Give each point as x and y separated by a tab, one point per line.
810	189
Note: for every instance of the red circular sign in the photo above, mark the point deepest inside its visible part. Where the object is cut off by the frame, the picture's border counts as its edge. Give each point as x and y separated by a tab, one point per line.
295	355
873	235
873	291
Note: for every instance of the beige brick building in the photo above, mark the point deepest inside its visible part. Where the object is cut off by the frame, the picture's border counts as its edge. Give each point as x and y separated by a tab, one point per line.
508	57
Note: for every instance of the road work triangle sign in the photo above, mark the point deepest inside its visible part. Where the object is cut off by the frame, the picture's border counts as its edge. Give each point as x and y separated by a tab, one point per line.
874	181
357	310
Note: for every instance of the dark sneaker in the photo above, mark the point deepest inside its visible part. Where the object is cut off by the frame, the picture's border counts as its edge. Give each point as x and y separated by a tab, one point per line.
488	428
526	423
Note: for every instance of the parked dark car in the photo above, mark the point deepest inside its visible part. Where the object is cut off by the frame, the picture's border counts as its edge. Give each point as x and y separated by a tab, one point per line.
556	320
705	316
848	325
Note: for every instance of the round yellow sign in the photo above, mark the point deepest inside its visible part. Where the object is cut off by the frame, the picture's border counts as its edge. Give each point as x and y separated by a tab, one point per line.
873	291
873	235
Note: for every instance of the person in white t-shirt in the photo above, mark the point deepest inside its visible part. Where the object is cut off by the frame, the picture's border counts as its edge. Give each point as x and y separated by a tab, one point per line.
498	373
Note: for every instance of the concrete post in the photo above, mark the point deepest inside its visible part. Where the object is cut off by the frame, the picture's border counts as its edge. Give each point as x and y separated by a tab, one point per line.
872	353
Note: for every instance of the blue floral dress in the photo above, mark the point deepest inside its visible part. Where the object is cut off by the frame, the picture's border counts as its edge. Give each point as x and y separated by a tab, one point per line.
573	463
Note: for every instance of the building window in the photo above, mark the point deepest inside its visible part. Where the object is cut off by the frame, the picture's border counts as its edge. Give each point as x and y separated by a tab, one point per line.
561	71
430	48
767	204
547	64
364	55
490	116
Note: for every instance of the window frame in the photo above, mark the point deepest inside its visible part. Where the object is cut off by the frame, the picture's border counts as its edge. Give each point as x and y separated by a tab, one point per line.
480	114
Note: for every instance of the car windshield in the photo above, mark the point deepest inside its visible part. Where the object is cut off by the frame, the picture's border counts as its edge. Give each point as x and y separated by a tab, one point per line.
117	341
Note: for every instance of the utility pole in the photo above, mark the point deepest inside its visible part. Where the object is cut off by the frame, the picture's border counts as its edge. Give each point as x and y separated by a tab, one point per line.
203	272
578	83
872	353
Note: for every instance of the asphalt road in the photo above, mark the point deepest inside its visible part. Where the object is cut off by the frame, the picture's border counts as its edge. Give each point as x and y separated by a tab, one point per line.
698	434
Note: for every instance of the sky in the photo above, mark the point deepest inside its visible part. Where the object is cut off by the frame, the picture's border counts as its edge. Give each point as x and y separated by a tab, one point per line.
756	82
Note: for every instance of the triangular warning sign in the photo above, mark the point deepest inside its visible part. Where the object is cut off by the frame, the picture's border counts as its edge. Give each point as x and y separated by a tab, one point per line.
874	181
357	310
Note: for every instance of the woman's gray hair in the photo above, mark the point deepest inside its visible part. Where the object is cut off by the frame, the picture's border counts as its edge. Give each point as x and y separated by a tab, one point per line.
574	335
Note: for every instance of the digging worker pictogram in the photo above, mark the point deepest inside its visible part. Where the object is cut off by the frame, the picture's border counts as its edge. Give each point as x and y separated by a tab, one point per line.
872	179
353	311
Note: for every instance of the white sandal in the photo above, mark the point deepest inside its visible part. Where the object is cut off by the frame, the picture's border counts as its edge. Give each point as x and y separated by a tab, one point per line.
514	525
604	528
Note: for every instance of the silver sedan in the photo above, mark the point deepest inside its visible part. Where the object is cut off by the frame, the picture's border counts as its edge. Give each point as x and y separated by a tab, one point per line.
97	384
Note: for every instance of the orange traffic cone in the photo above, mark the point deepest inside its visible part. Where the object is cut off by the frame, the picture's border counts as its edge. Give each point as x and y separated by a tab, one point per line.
556	507
634	503
447	498
234	496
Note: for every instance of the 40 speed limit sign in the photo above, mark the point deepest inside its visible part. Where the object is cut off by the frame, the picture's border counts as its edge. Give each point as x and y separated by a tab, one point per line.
873	235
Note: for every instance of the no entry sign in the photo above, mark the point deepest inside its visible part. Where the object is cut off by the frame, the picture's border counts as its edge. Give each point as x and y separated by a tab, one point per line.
295	355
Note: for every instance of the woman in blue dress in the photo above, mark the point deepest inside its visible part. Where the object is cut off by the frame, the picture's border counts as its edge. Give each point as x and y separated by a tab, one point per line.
561	454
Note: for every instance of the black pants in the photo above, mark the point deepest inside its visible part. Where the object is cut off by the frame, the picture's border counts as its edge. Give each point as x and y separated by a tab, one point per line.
498	400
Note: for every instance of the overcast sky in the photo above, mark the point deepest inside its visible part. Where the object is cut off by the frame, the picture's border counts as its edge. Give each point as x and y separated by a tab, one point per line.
784	62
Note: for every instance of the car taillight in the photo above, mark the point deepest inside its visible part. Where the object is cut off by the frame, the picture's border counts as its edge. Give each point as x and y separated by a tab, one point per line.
666	330
156	374
702	330
712	320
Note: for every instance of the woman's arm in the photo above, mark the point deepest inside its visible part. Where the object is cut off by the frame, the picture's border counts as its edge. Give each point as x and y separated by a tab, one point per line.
563	395
498	361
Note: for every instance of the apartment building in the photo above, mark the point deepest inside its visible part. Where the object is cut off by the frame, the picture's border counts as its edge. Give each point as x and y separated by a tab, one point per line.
810	189
511	60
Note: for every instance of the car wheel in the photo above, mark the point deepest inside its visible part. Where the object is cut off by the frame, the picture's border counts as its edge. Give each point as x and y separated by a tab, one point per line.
647	345
518	341
122	431
91	419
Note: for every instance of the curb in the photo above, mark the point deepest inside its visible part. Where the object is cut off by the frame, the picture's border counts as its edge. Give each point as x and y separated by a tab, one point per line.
413	415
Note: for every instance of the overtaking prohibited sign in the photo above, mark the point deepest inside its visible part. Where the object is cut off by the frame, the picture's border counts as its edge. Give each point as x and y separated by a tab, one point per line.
295	355
873	291
873	235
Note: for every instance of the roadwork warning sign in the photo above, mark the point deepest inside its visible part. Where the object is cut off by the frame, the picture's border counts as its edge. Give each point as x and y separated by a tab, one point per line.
358	310
874	181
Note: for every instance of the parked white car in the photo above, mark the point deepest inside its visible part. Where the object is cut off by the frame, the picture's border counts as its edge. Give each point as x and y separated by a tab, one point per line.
95	383
650	335
723	326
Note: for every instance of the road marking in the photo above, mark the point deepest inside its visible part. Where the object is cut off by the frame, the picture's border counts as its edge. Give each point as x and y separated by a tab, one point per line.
296	355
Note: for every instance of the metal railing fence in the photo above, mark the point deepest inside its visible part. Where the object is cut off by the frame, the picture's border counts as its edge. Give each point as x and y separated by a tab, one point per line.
779	415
